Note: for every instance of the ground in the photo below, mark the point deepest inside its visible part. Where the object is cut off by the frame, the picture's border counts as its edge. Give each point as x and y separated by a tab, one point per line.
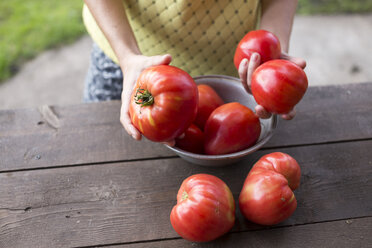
337	50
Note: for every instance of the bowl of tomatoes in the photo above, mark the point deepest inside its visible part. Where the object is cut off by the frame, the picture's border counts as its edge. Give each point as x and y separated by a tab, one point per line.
213	139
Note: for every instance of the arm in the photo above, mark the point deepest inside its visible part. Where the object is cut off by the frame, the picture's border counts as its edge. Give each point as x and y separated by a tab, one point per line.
277	17
111	18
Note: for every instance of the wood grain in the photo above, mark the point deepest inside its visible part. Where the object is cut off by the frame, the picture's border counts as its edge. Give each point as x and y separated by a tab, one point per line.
352	233
91	133
86	133
131	202
328	114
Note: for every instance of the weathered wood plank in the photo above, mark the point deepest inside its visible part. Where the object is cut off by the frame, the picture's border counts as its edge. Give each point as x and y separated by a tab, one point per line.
90	133
328	114
86	133
75	146
130	202
352	233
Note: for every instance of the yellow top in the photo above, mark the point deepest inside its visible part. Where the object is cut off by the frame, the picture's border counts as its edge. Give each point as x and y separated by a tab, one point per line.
201	36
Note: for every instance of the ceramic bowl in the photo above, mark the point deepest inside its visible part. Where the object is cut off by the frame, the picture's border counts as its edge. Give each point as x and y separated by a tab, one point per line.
229	89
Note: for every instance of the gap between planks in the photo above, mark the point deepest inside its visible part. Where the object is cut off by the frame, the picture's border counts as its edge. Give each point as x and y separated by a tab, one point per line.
232	232
173	157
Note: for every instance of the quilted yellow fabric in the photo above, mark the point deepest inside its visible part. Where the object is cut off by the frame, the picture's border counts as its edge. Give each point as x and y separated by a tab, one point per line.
201	36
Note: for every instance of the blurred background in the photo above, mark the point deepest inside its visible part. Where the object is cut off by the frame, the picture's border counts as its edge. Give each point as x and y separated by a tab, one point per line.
44	48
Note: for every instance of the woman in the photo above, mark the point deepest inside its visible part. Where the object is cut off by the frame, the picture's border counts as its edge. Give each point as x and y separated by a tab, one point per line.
200	37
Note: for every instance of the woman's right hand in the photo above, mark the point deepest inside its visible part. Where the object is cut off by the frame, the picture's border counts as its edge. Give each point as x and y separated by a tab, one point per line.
132	68
112	20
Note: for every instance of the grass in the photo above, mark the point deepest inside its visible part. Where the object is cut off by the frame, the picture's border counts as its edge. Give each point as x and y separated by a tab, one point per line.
31	26
309	7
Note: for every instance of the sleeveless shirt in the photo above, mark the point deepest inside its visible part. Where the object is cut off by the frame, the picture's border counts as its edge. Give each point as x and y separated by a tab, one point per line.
201	36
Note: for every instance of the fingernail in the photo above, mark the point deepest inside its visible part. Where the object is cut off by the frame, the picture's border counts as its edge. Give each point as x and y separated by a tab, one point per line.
255	57
244	62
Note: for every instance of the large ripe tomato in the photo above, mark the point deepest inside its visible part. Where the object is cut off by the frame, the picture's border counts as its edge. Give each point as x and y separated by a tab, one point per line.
230	128
258	41
163	103
209	100
192	141
205	208
278	85
267	197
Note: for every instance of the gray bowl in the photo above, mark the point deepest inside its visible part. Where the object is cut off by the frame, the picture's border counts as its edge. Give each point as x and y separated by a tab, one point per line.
231	90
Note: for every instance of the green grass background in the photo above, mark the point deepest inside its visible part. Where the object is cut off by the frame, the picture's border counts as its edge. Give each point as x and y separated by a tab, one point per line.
28	27
309	7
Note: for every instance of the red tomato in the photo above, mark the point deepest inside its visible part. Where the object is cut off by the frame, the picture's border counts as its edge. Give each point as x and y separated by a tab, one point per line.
193	140
267	197
230	128
209	100
164	102
258	41
278	85
205	208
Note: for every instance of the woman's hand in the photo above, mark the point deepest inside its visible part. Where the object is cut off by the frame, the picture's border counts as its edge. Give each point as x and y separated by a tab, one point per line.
112	19
246	69
132	68
277	17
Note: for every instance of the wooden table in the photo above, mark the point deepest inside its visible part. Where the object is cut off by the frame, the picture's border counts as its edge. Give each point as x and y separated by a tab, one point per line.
71	177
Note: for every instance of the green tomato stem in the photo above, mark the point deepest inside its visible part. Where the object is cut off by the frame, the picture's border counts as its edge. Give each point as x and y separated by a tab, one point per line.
184	196
143	97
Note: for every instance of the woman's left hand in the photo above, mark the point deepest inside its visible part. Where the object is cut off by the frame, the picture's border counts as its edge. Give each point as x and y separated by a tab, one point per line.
246	69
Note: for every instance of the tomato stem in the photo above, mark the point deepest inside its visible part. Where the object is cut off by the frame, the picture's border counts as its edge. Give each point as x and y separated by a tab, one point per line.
184	196
143	97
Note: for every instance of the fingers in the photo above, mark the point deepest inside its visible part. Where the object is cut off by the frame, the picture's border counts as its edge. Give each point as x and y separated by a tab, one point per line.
124	111
166	59
173	142
298	61
170	143
243	68
127	123
128	126
130	77
262	112
290	115
246	69
159	60
253	64
181	136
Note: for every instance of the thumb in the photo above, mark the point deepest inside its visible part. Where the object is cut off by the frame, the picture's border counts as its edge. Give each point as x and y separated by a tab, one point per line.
298	61
159	60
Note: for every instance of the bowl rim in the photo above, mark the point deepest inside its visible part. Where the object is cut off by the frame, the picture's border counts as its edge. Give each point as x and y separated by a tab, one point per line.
247	151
